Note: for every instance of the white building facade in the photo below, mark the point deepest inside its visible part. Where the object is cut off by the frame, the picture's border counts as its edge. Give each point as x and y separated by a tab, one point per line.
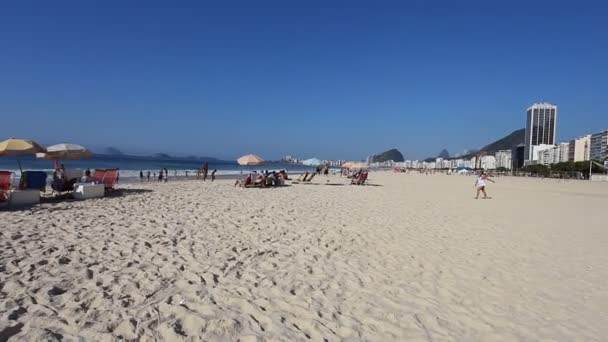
503	159
578	149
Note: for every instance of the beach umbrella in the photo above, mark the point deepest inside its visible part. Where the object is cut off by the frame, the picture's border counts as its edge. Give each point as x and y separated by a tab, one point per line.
347	165
65	151
250	159
19	147
312	162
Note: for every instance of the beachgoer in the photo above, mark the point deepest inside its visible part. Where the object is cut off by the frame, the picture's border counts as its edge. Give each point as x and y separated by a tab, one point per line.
205	171
148	176
245	182
166	175
141	175
480	184
213	174
87	177
160	175
186	173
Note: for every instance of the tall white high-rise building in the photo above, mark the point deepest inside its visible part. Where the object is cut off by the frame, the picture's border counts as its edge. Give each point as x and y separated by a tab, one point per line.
503	159
541	119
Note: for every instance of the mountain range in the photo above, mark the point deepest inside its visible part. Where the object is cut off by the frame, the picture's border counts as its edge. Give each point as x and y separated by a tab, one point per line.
114	152
508	142
392	154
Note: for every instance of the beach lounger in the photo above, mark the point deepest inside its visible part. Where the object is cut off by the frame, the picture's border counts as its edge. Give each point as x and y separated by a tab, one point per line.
107	177
303	177
5	186
312	175
361	180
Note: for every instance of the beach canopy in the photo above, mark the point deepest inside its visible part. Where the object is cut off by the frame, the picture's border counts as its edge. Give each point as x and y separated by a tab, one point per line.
65	151
19	147
312	162
250	159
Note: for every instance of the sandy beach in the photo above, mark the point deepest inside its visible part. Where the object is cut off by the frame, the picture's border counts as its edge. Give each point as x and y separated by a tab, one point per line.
413	258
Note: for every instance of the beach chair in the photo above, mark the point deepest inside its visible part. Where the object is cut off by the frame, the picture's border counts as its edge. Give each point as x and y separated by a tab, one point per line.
33	180
312	175
5	186
302	177
361	180
107	177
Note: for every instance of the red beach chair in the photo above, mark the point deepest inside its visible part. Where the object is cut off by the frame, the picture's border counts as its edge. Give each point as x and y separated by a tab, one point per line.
361	180
110	179
98	175
107	177
5	185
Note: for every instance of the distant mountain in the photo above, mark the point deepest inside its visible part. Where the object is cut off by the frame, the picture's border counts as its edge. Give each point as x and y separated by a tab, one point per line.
444	154
112	151
392	154
162	156
507	143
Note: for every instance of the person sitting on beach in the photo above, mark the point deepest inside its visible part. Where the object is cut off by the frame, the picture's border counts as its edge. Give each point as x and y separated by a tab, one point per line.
87	177
283	173
260	180
245	182
58	180
480	183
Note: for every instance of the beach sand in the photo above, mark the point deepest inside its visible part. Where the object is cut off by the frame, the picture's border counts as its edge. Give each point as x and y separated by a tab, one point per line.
413	258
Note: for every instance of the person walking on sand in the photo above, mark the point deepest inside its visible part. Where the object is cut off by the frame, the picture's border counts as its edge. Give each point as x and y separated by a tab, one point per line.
480	184
160	175
166	175
148	174
141	176
205	171
213	174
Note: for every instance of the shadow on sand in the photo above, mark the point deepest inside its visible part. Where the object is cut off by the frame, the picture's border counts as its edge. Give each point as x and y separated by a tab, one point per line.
67	198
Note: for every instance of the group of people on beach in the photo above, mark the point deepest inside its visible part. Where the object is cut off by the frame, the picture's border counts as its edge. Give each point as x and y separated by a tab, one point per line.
322	170
264	179
163	174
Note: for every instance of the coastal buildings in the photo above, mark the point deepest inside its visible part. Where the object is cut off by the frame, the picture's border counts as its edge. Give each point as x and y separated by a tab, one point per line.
536	150
578	149
503	159
547	156
599	146
541	119
518	156
564	152
488	162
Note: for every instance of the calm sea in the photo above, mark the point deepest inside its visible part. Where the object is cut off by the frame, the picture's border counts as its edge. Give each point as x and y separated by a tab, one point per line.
130	166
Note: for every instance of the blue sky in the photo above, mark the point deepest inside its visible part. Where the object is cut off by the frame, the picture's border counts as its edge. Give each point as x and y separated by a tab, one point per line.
330	79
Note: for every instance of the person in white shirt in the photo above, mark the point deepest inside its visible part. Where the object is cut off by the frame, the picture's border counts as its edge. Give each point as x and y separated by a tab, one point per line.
480	184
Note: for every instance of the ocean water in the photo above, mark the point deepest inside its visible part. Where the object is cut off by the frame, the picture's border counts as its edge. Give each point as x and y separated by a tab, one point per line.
131	166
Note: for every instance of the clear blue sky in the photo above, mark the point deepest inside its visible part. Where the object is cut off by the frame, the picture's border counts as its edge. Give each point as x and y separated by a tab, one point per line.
329	79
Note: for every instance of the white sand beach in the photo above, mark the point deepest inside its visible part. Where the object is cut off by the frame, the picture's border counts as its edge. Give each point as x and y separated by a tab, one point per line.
414	258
